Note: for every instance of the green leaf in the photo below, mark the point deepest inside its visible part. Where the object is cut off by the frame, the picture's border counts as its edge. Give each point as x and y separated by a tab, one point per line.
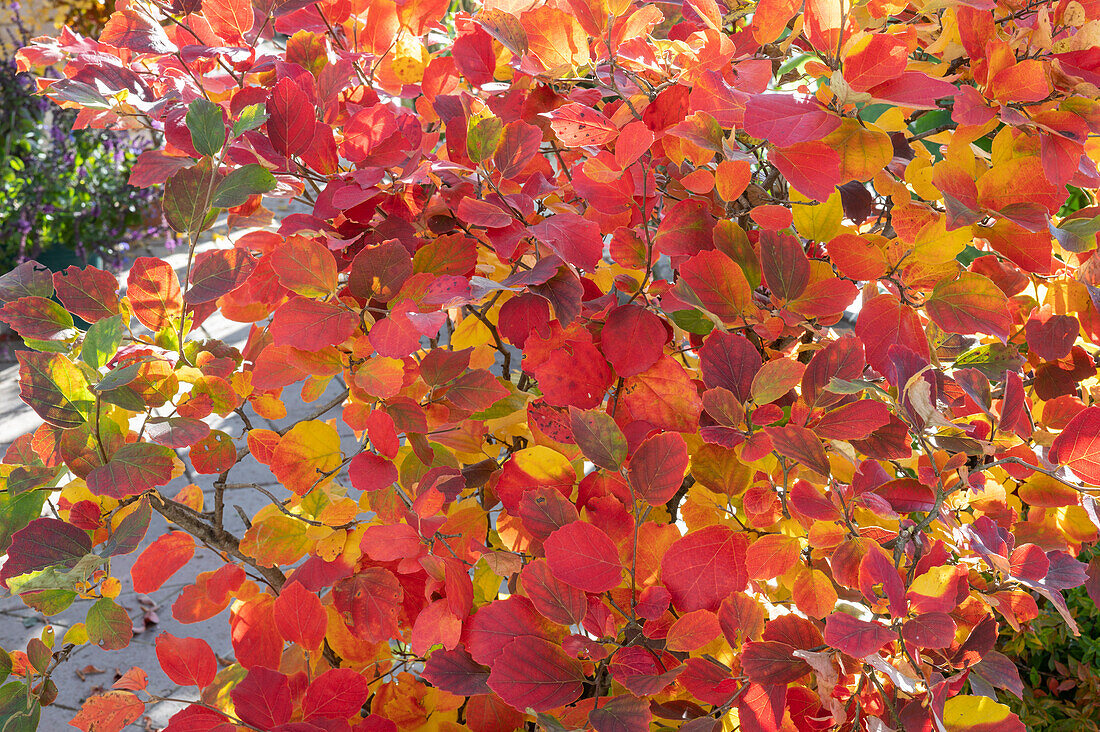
992	360
242	183
109	627
1077	235
483	137
19	710
54	388
125	397
30	477
855	386
50	602
186	200
118	377
598	437
16	512
252	116
130	531
102	341
134	468
204	119
692	321
5	665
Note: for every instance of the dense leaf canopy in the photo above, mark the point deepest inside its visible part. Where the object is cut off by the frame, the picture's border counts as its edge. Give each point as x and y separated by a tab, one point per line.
708	364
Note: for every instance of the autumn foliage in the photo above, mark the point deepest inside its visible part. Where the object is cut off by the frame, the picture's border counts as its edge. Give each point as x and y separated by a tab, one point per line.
708	365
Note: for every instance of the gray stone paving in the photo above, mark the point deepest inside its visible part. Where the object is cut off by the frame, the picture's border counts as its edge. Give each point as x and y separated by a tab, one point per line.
99	668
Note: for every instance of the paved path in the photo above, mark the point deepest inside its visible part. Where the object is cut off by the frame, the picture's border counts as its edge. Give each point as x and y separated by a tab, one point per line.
90	670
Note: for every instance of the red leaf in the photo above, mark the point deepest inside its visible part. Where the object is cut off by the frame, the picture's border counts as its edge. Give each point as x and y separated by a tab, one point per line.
914	89
686	230
137	32
306	267
573	238
230	19
217	272
771	17
621	714
456	672
555	599
784	265
299	616
187	661
703	567
311	325
370	602
160	560
196	719
176	431
476	390
369	472
338	693
717	284
812	168
970	303
598	437
772	662
874	59
263	698
89	293
692	631
858	638
500	622
134	468
519	143
154	292
291	121
784	119
886	321
133	680
390	542
535	673
154	167
729	361
1078	446
108	712
801	445
643	671
853	421
39	318
42	543
657	468
773	381
771	555
583	556
209	595
930	630
633	339
577	125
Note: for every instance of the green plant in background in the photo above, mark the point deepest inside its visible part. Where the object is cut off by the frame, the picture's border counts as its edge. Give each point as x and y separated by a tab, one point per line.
64	195
1060	671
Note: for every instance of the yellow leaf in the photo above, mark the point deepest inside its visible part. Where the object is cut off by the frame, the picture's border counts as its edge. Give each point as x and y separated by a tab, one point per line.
470	332
918	174
304	453
968	712
276	540
864	151
819	222
936	245
77	635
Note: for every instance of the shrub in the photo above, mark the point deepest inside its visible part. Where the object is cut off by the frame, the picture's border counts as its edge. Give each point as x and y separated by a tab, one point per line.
1060	686
580	277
